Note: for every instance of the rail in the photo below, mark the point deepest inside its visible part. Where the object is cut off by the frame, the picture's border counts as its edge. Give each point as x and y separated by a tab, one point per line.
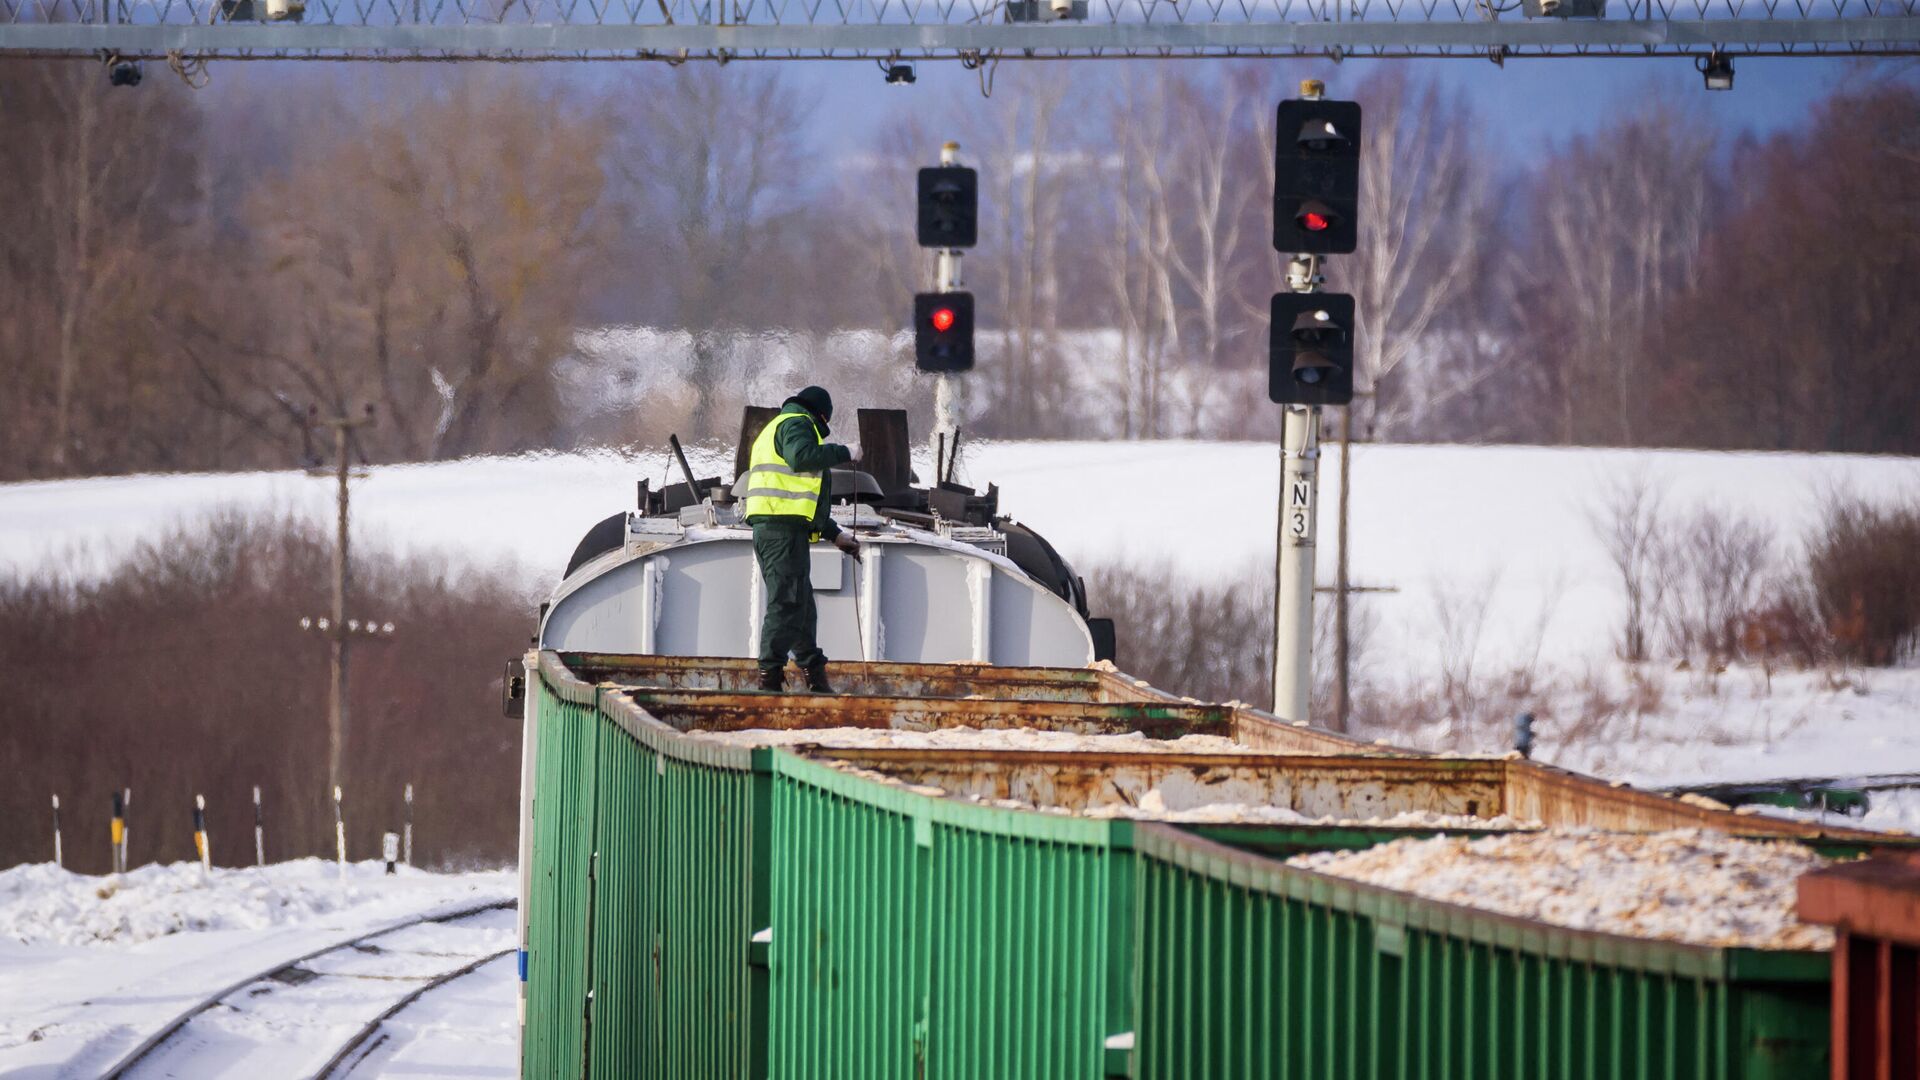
349	1051
179	1023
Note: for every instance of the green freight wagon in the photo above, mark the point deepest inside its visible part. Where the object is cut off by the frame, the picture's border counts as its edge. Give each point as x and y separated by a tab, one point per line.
697	906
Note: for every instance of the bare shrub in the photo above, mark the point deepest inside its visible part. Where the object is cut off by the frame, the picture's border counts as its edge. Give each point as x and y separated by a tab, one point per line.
1594	708
1717	566
1460	618
185	671
1863	571
1212	642
1523	677
1362	620
1629	521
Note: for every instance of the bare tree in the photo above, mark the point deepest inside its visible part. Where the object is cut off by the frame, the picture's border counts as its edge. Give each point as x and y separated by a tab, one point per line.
713	180
428	258
1621	219
81	233
1137	257
1629	520
1022	146
1720	562
1423	211
1206	194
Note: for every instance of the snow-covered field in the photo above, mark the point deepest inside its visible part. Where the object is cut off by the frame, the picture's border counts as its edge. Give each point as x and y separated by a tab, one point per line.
90	966
1427	520
1445	526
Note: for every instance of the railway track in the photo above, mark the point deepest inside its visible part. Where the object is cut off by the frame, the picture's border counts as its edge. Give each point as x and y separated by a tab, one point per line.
328	1013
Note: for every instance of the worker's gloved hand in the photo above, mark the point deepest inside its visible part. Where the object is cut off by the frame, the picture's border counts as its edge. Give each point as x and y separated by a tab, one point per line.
845	542
853	451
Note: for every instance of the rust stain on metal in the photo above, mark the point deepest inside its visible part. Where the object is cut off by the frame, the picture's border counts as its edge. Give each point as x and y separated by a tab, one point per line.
1315	785
905	680
712	693
690	710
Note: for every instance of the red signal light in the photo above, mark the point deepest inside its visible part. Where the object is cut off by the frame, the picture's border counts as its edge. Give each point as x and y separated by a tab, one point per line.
943	319
1314	221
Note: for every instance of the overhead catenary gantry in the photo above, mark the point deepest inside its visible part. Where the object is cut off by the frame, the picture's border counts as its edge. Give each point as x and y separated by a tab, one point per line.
969	30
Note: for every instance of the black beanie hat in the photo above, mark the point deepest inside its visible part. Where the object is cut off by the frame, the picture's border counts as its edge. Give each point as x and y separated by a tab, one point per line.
816	401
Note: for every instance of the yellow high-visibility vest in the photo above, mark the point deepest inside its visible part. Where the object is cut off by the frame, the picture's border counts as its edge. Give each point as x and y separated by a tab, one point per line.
773	486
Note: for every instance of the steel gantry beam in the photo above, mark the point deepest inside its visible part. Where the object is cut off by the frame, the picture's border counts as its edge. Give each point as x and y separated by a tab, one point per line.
971	30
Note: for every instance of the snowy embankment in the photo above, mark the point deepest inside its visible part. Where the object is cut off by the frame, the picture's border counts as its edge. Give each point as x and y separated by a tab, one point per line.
89	966
1491	553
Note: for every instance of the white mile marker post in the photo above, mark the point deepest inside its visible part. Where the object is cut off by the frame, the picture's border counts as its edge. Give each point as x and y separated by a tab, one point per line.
118	851
57	860
200	844
406	848
259	832
339	834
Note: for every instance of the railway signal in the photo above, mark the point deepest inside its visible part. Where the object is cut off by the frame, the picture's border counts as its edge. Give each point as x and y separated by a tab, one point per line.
943	319
943	331
1316	202
1310	349
949	207
1316	177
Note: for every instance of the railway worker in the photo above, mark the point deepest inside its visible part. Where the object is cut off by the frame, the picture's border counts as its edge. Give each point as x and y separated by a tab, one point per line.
787	503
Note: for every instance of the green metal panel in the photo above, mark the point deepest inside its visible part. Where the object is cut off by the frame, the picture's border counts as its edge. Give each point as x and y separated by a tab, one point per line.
677	902
917	936
1250	968
558	904
626	1013
924	936
645	890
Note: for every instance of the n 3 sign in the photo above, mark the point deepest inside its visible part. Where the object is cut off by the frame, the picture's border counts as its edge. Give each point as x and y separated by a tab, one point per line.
1316	177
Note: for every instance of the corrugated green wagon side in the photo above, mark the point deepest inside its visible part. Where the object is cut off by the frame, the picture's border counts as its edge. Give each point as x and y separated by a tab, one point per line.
645	895
558	913
1249	968
697	908
918	936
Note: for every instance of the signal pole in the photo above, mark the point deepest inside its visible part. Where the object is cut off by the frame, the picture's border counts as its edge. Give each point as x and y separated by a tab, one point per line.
1343	585
1293	563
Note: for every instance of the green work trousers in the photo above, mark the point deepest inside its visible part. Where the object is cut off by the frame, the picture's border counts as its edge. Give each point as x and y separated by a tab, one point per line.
781	549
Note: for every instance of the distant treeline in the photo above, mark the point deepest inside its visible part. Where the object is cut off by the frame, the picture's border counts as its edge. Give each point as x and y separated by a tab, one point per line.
187	672
184	274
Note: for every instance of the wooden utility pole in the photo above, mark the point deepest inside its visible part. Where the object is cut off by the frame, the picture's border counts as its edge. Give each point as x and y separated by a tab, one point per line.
337	638
1343	586
1342	705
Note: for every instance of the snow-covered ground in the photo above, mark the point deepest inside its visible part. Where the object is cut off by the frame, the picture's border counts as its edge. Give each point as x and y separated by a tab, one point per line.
1427	520
90	966
467	1029
1443	525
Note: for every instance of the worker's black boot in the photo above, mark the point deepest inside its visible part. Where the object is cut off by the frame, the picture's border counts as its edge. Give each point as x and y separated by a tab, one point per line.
817	679
773	680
